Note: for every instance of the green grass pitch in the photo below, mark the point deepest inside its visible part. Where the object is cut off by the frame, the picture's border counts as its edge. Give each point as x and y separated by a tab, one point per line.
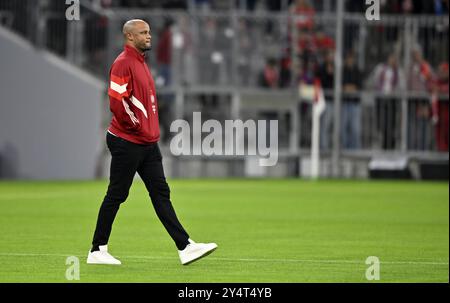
267	231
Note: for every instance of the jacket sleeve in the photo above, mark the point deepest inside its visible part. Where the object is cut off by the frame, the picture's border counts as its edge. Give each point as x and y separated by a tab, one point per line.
119	91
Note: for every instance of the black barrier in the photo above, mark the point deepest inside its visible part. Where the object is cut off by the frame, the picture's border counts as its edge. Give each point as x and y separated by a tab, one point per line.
434	171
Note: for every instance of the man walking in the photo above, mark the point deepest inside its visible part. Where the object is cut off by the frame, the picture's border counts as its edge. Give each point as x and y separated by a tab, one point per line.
132	140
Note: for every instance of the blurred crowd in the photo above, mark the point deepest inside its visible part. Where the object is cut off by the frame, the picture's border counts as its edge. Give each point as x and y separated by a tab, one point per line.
315	50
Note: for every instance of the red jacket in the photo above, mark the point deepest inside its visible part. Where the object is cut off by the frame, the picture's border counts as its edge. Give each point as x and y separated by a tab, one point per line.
132	99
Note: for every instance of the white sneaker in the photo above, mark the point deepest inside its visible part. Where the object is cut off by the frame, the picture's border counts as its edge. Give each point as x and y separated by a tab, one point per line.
102	257
195	251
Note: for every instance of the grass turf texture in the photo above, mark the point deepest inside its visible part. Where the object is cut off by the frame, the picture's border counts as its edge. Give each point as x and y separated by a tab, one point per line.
267	231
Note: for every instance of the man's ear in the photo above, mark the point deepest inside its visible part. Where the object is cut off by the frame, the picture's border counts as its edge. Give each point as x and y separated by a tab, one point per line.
129	36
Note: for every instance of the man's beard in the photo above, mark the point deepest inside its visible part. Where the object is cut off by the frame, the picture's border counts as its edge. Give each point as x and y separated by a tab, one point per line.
146	48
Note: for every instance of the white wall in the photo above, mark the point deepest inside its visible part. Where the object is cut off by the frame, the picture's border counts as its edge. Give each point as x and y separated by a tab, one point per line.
50	115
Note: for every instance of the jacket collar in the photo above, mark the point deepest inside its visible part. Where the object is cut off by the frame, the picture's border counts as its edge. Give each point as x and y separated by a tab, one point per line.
134	52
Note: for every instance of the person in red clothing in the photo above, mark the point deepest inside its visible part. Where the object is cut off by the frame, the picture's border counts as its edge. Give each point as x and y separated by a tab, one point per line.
322	43
419	80
301	25
305	14
439	105
132	139
269	76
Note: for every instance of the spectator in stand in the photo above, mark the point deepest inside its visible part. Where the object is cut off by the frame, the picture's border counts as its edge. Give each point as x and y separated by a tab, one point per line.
351	108
388	78
322	41
420	73
164	64
285	71
440	99
210	52
326	76
407	7
322	44
269	77
307	76
301	28
307	72
306	46
350	30
419	80
95	39
245	44
164	52
305	13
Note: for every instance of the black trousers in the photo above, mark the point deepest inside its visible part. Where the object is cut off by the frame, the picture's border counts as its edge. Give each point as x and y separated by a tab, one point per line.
388	121
127	159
